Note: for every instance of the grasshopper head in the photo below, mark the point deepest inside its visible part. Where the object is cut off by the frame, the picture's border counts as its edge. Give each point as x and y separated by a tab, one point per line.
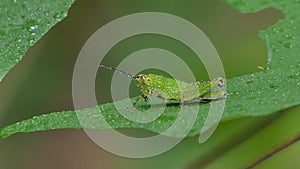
143	82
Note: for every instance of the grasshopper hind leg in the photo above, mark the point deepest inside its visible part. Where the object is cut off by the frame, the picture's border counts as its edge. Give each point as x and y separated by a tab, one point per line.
210	98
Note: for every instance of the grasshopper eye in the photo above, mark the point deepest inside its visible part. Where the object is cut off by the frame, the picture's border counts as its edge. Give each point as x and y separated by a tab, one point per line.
221	82
143	78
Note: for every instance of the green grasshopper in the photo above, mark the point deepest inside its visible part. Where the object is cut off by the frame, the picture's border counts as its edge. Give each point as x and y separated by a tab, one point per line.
168	88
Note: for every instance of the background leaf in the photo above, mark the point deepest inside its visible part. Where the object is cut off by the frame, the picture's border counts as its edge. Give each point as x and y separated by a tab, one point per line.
24	22
282	39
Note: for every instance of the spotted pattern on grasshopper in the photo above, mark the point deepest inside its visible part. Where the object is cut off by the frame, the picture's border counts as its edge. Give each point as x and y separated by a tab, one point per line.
168	88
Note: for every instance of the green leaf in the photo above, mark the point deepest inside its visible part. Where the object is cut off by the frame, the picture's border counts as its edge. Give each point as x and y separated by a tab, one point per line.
250	95
257	94
22	23
282	39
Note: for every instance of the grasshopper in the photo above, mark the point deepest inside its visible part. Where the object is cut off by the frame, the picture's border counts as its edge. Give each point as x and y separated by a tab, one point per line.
168	88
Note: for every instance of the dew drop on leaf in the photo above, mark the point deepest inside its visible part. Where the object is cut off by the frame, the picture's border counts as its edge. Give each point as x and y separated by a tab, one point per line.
288	45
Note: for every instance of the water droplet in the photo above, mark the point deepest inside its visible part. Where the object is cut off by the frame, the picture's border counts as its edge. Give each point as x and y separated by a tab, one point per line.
287	35
288	45
31	42
33	28
57	16
275	50
275	30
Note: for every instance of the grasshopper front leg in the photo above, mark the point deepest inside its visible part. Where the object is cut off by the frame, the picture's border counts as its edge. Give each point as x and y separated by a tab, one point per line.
138	99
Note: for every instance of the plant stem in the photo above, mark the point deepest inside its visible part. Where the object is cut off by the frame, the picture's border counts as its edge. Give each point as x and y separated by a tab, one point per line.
274	151
225	146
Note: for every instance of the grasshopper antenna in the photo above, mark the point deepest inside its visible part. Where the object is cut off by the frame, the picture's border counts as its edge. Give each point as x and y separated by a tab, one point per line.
119	71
